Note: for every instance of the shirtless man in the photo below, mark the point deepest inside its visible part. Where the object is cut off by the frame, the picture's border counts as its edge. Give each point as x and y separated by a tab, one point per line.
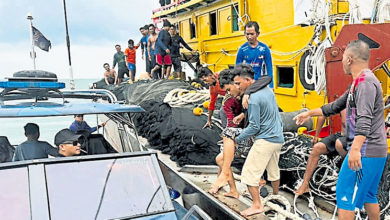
110	76
151	47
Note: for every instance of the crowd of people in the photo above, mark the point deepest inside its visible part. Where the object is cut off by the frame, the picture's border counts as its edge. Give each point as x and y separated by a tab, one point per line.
362	142
159	51
253	128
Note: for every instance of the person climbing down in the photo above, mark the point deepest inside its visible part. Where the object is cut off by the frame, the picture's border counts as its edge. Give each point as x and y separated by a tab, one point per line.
329	145
232	108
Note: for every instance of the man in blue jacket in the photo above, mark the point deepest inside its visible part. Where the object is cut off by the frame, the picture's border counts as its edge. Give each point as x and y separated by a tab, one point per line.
255	53
80	125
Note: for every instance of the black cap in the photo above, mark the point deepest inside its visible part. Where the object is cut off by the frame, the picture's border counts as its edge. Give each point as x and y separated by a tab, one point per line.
66	135
166	23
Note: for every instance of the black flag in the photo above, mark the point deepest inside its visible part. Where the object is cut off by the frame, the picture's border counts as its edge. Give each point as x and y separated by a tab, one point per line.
40	40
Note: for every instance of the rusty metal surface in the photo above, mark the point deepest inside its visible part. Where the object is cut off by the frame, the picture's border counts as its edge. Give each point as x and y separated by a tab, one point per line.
336	80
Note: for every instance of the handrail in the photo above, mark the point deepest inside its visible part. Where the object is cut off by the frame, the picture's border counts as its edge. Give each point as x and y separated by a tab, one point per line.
198	210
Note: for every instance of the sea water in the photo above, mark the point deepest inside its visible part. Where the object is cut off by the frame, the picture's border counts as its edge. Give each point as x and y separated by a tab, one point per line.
49	126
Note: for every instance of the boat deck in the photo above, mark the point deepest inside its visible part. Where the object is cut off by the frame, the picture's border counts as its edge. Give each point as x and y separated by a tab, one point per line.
204	176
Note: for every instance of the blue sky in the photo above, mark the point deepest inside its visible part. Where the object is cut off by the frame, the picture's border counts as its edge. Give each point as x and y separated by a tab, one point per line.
95	26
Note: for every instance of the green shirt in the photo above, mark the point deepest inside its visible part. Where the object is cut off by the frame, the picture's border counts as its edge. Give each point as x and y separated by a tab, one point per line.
119	58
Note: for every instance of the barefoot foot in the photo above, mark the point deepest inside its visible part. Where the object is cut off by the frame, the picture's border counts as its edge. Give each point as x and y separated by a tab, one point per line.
253	210
302	189
231	194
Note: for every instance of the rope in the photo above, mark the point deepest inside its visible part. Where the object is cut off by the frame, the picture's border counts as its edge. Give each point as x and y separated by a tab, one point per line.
181	97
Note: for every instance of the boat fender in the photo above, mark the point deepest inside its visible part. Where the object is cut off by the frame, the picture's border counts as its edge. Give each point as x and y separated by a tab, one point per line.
197	111
306	216
35	74
289	124
206	104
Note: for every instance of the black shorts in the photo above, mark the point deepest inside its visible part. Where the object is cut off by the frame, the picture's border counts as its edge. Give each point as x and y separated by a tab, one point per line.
122	73
330	142
176	64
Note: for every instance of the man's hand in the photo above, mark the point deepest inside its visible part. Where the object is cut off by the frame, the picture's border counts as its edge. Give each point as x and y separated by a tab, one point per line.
103	124
302	118
167	51
237	120
315	140
150	58
355	160
208	124
245	101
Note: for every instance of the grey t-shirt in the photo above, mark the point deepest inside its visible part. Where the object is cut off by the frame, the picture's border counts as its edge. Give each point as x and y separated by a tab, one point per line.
34	149
364	103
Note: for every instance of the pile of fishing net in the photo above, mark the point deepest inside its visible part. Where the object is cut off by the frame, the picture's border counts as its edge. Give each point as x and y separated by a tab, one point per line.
175	131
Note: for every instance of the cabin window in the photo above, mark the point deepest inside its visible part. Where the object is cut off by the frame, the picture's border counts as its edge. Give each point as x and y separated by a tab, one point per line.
285	77
192	29
235	17
213	23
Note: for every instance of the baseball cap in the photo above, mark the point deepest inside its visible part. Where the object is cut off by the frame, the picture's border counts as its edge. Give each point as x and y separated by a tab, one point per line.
66	135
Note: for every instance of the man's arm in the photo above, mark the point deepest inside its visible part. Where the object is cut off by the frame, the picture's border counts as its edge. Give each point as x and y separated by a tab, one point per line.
114	62
213	100
185	44
149	45
256	86
50	150
240	56
268	63
17	154
106	79
336	106
87	127
254	123
116	77
73	127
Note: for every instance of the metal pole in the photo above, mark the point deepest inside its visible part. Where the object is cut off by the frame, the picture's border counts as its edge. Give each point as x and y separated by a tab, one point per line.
72	86
30	17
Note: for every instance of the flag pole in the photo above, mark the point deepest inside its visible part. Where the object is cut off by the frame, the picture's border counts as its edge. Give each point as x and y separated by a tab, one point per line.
30	17
72	86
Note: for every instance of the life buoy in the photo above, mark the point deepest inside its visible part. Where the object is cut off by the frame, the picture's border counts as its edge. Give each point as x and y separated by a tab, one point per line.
36	74
304	71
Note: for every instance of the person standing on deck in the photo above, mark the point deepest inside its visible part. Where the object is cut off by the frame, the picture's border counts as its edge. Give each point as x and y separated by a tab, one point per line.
79	125
162	50
361	171
266	126
177	42
130	53
144	47
151	51
255	53
119	58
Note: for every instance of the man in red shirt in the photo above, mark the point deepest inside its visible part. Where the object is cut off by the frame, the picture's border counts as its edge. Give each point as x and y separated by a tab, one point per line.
211	79
130	58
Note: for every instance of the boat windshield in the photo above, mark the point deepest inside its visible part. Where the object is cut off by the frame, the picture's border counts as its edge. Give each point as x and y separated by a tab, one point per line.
104	189
14	205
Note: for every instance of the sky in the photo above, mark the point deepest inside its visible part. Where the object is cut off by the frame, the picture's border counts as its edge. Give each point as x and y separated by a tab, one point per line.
95	27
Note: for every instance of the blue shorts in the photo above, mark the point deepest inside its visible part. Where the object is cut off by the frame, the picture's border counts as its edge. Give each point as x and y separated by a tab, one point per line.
132	68
355	188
